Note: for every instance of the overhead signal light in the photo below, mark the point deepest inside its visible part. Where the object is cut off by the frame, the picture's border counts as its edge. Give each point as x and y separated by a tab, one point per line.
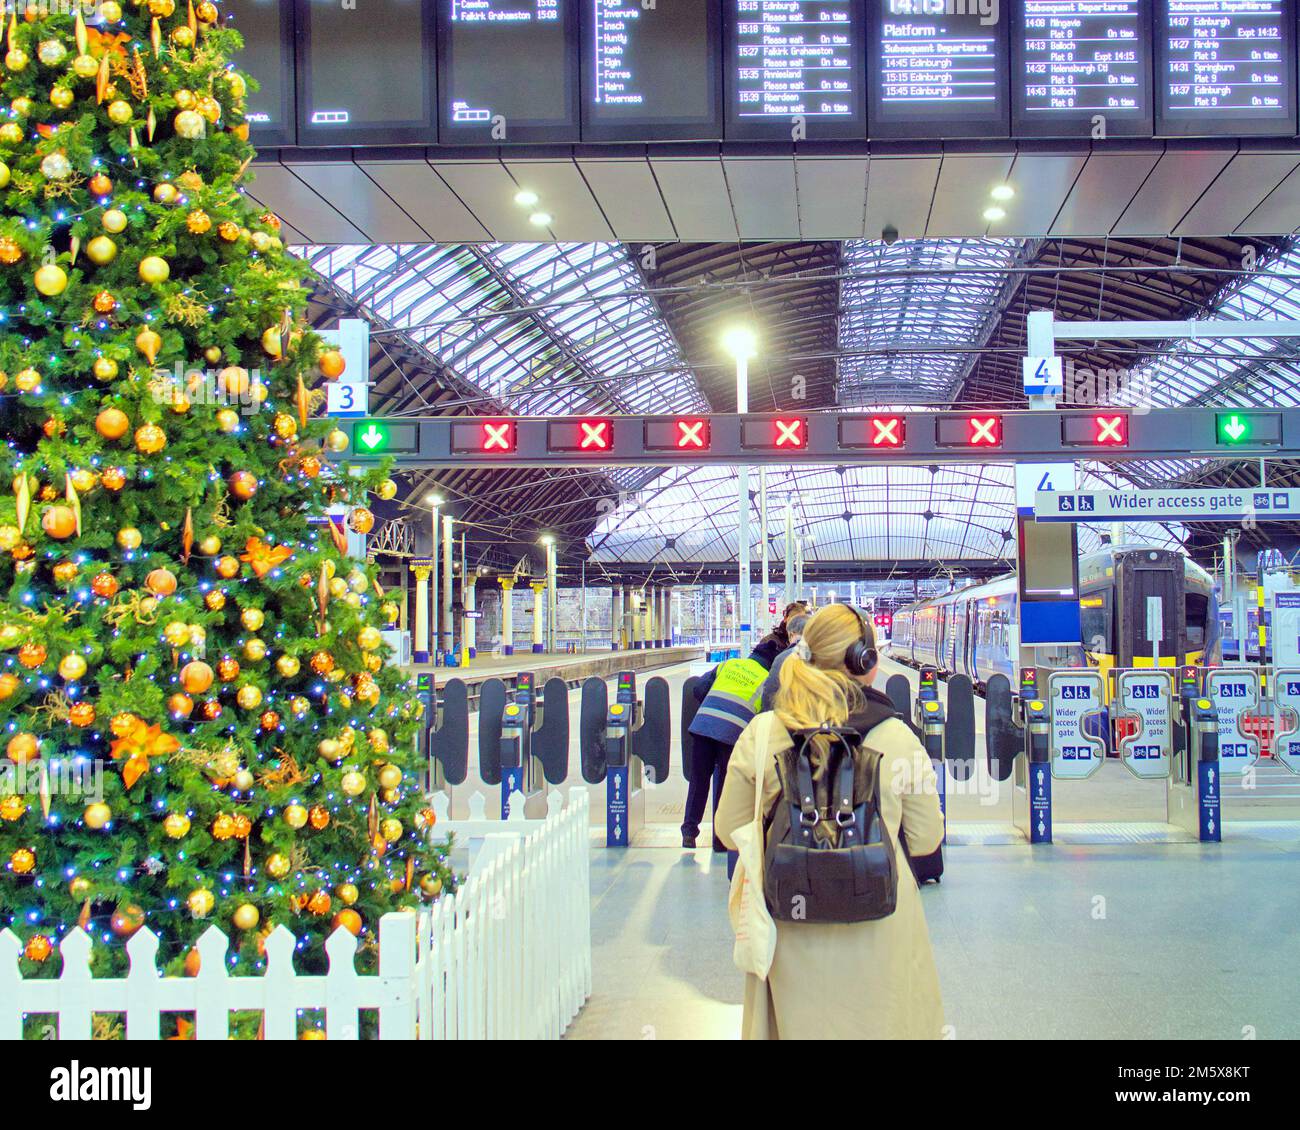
982	430
1248	429
590	434
492	437
1095	429
879	432
774	433
678	433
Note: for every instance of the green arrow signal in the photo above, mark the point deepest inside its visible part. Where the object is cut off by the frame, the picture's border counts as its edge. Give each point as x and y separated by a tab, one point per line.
1233	429
373	437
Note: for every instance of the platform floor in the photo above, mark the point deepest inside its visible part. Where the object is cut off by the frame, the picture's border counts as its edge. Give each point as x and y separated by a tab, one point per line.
1132	941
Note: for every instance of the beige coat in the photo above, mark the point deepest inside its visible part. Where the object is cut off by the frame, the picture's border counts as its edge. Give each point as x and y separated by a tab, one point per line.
863	980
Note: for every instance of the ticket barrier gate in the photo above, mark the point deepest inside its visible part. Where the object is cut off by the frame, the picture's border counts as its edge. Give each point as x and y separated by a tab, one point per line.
1051	737
446	734
1286	718
523	743
618	741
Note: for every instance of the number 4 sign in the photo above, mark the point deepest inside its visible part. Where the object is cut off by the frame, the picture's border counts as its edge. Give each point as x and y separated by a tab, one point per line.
349	395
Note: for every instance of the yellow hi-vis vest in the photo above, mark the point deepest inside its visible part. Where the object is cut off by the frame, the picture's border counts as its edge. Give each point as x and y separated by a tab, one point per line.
734	698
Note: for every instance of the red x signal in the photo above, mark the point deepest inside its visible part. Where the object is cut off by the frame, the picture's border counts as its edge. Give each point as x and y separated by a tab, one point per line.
1111	431
595	435
887	431
790	433
498	435
693	433
984	431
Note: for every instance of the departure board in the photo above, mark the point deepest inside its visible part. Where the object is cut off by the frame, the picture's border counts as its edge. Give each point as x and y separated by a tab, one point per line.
794	69
1080	67
365	72
1225	67
267	28
651	73
507	71
937	73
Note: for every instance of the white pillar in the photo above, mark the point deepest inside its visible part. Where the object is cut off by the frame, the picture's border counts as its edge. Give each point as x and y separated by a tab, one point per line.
421	572
435	637
539	589
471	624
629	613
448	555
552	601
764	613
789	553
616	617
648	618
507	615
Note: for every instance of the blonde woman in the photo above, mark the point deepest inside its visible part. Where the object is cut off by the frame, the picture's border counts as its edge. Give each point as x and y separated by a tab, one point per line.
861	980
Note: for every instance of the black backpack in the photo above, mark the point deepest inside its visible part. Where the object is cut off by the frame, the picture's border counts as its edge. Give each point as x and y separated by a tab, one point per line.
829	856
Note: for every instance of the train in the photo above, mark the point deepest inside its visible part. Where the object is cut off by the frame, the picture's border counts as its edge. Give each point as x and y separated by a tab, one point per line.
975	631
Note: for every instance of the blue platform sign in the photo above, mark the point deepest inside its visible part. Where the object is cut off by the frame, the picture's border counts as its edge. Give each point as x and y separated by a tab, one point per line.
1207	802
616	786
1040	804
512	781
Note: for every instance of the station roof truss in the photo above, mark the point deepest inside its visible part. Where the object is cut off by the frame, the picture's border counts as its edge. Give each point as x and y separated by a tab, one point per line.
563	329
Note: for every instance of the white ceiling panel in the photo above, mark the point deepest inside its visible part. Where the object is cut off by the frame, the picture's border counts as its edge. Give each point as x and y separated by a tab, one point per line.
832	194
1249	177
899	191
1102	191
1042	182
278	189
1278	213
371	210
763	195
696	194
962	193
628	195
565	195
488	190
1174	186
426	197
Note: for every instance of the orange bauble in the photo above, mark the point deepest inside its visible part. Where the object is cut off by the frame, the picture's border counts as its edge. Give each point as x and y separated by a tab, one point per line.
322	663
38	948
32	655
104	302
104	584
332	364
228	567
112	423
81	714
269	720
243	485
161	582
59	522
349	920
196	677
361	520
126	920
319	903
180	705
22	748
113	478
150	439
100	185
210	711
192	963
309	466
228	670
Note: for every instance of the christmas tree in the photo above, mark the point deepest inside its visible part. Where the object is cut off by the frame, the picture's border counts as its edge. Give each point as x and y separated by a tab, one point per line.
179	629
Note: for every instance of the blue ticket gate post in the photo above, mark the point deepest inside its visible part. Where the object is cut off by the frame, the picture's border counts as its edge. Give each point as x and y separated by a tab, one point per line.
523	742
931	720
619	741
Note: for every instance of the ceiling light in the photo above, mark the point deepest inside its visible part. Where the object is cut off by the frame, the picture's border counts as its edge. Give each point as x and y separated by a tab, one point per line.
525	198
1002	192
541	219
740	341
433	499
993	215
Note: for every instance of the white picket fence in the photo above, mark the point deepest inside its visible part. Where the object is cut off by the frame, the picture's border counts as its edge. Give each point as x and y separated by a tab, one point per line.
508	956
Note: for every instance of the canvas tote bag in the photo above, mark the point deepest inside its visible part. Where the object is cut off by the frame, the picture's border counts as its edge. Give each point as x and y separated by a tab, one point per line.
750	920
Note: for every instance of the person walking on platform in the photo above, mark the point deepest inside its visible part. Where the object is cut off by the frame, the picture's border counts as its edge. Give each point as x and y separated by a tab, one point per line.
779	638
794	629
838	976
729	697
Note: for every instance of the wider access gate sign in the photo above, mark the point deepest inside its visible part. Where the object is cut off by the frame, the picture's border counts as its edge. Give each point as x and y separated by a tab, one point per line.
1175	505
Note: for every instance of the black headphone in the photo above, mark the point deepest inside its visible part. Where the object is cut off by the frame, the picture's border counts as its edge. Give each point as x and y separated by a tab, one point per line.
862	656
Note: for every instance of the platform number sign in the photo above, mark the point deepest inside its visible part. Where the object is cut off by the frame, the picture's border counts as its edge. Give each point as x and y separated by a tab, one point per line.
348	395
1234	692
1073	698
1286	718
1147	697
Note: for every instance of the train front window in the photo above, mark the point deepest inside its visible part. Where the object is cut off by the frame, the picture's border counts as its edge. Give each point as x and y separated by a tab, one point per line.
1197	606
1095	622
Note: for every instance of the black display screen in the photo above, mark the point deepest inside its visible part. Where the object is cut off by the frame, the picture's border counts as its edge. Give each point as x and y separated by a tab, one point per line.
507	71
267	28
365	72
1225	67
937	73
794	69
1081	68
651	73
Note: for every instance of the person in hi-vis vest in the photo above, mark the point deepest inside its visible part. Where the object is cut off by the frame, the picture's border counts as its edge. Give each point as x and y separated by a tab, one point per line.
732	693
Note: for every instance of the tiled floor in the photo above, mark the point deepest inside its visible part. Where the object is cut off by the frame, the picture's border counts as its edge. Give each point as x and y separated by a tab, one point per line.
1126	941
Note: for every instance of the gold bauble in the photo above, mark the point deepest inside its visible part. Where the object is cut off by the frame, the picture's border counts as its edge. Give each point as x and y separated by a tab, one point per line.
104	368
199	222
295	815
113	221
154	269
129	538
288	665
150	439
430	886
17	60
369	638
271	341
176	825
255	650
246	917
252	619
330	749
148	342
177	633
387	489
101	251
391	829
85	66
337	440
51	280
11	133
277	866
72	667
353	783
61	97
190	124
347	893
390	776
388	610
227	420
166	193
210	546
249	696
200	902
97	815
119	112
338	588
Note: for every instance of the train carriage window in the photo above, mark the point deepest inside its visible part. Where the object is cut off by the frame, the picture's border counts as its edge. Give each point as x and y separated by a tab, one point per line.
1095	623
1197	615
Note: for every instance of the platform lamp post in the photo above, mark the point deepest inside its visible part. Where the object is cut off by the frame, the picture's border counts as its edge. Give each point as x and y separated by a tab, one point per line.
552	603
742	343
435	502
